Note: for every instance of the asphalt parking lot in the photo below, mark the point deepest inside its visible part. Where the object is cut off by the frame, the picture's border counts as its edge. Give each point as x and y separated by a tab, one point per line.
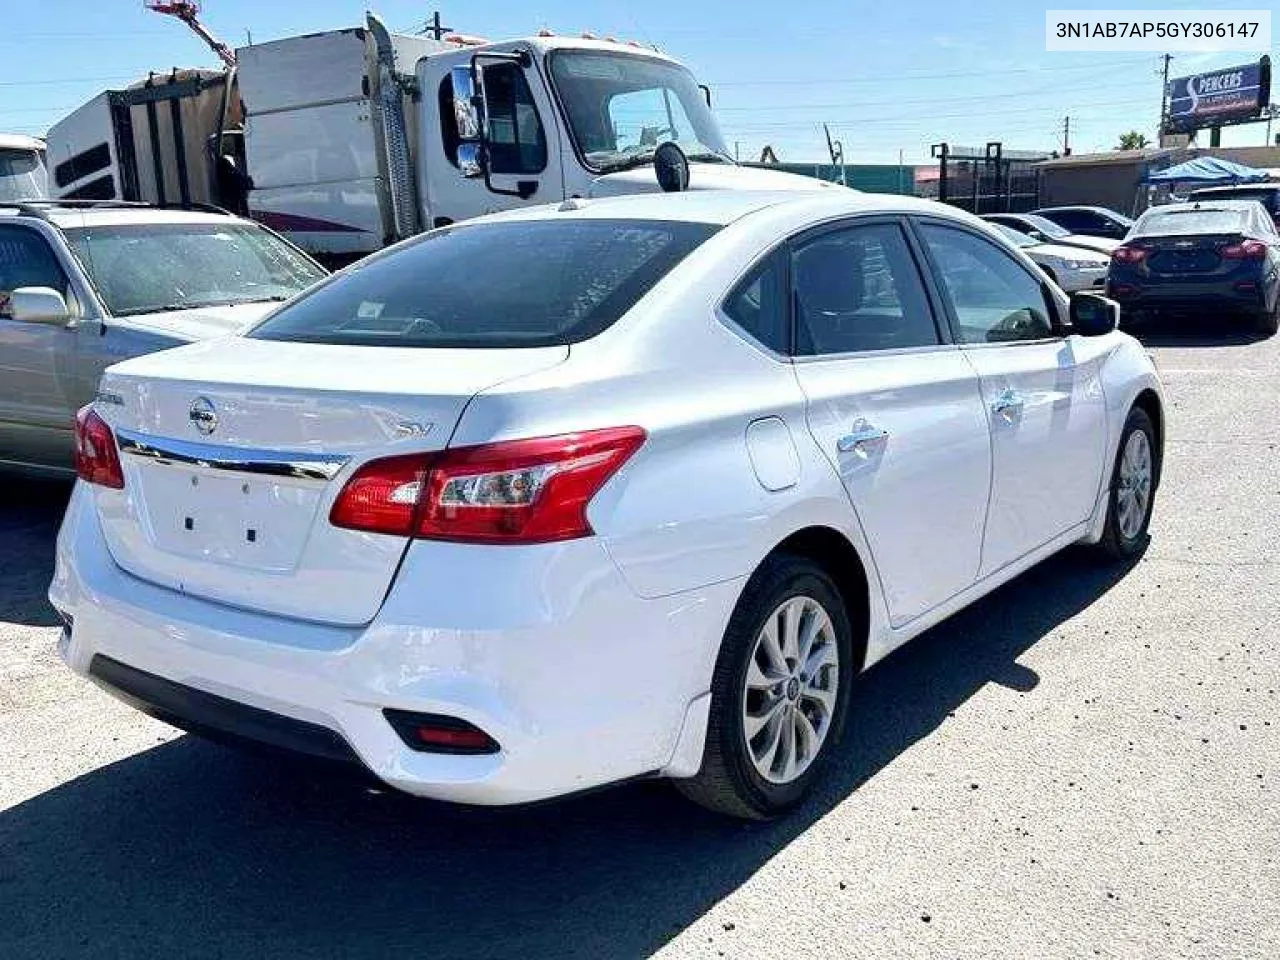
1086	763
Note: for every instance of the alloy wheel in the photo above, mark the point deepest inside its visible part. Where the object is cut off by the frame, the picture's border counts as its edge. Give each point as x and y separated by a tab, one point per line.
790	694
1133	491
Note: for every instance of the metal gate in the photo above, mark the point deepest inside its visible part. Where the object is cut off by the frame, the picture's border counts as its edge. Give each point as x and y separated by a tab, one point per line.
988	180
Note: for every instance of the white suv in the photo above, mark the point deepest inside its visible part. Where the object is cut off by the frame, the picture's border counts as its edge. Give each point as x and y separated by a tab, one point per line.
613	489
84	284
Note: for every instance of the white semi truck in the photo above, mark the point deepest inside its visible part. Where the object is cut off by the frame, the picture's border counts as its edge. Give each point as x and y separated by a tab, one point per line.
348	140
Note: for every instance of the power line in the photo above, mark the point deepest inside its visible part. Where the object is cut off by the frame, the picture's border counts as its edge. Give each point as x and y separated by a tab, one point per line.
898	78
1019	94
898	119
65	80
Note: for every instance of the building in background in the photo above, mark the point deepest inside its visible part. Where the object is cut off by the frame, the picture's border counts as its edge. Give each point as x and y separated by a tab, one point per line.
1115	179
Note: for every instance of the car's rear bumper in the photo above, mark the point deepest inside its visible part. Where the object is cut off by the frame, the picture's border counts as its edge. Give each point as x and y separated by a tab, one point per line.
1137	294
547	650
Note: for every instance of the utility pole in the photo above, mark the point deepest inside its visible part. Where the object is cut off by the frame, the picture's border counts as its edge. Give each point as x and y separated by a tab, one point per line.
1066	136
1164	98
435	27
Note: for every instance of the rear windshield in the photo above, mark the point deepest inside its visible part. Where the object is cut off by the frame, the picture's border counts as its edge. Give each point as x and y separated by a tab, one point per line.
1191	222
528	283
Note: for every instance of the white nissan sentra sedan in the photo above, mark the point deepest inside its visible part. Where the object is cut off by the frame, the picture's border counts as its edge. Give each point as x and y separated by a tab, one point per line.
578	494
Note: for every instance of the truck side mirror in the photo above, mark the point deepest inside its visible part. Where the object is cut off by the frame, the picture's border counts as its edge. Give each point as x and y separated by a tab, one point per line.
38	305
468	100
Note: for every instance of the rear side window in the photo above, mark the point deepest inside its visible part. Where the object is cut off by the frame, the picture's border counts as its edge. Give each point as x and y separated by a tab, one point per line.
758	304
859	289
529	283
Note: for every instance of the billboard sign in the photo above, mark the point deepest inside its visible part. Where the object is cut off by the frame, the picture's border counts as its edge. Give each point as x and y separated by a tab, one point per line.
1217	99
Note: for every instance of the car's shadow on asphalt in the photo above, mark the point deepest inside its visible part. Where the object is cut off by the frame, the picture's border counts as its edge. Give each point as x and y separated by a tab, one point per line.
1195	331
194	850
30	513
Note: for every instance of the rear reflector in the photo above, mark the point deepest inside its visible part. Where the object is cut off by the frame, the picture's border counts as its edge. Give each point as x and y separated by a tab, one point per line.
97	459
433	733
519	491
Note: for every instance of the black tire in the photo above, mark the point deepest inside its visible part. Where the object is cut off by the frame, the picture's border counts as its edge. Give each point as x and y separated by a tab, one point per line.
1114	543
728	781
1268	322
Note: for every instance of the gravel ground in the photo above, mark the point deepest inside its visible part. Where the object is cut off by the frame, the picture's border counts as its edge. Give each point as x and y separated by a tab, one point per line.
1083	764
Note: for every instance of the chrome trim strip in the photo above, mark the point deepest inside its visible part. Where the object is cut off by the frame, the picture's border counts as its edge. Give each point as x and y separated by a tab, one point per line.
271	463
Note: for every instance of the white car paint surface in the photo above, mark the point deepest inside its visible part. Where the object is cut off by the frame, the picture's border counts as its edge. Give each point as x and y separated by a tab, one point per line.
944	468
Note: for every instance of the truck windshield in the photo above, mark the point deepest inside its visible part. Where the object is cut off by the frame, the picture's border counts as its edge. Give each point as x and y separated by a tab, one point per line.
523	283
621	107
22	175
154	267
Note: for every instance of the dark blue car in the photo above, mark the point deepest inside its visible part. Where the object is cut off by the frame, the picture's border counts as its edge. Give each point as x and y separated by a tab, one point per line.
1206	258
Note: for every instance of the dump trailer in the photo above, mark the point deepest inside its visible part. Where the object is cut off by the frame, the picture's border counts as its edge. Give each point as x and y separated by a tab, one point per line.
348	140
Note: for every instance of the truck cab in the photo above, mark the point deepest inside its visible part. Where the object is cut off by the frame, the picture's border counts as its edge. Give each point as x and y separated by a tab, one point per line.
559	117
348	140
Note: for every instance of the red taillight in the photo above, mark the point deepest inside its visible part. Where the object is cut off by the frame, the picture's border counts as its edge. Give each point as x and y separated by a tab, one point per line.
1245	250
1129	254
382	496
519	491
97	460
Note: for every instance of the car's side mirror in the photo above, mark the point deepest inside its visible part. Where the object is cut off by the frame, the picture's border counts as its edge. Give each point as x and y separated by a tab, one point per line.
469	117
1093	315
38	305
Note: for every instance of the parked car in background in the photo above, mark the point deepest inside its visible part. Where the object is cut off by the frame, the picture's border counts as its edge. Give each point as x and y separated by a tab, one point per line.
22	168
1267	194
1089	221
1046	231
618	488
83	285
1209	257
1071	268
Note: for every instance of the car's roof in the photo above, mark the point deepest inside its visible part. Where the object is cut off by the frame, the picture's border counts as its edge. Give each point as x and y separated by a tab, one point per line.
1204	205
110	215
1236	187
17	141
720	207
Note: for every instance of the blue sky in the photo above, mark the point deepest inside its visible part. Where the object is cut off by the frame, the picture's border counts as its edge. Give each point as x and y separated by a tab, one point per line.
886	77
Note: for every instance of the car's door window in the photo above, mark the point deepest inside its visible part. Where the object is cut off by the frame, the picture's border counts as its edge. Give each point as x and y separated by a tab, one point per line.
26	260
1073	220
859	289
758	304
994	299
517	142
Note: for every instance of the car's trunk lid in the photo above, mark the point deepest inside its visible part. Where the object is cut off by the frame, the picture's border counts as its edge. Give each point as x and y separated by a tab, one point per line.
234	450
1173	256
